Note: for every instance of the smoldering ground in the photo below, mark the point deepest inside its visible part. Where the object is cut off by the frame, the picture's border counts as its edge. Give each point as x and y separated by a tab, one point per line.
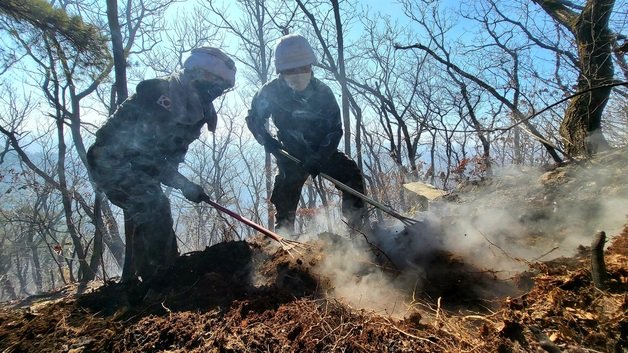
207	301
467	249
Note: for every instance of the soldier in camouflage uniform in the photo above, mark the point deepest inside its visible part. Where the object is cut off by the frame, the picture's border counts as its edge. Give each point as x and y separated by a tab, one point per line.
307	117
141	145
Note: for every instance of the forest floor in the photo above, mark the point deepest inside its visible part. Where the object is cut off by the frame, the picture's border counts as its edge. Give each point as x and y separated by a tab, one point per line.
431	297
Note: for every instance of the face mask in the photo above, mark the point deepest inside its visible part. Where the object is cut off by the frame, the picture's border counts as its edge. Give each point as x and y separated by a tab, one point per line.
208	91
298	82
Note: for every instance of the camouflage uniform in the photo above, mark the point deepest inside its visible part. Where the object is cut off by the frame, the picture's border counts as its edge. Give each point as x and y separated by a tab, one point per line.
137	150
309	127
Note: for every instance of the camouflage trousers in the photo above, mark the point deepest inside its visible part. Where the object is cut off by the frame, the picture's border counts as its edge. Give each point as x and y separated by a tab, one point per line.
148	226
291	177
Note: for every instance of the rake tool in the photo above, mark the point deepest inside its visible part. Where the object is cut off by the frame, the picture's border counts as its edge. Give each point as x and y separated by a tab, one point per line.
286	244
405	220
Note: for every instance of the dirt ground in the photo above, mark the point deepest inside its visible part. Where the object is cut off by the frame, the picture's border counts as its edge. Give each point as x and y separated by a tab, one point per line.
255	297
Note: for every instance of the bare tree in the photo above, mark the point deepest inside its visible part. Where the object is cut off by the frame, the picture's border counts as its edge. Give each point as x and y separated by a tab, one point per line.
256	30
214	164
68	79
442	55
581	127
252	182
395	93
335	64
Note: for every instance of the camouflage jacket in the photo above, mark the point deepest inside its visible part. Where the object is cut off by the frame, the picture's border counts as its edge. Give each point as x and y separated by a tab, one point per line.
308	123
143	132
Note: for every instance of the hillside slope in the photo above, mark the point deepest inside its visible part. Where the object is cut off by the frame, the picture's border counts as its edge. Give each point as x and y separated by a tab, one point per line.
498	266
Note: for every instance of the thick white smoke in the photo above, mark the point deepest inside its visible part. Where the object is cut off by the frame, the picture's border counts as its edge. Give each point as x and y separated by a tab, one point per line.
522	216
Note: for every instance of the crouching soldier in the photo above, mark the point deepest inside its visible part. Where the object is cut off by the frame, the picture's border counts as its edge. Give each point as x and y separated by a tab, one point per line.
307	117
141	145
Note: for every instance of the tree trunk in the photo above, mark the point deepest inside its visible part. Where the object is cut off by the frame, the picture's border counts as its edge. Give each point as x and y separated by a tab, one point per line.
97	244
20	274
85	273
111	236
36	272
581	125
119	59
358	134
342	77
7	287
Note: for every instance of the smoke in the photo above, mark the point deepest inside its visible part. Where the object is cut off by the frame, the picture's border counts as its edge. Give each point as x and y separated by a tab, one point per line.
356	279
486	235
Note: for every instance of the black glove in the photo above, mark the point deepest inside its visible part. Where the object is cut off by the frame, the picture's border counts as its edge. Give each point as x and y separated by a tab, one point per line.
193	192
271	144
313	166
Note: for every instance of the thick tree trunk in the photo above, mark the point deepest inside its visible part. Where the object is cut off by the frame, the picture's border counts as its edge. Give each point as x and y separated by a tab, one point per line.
581	126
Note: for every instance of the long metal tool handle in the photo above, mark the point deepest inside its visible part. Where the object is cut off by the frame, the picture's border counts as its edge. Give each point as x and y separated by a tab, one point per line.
246	221
352	191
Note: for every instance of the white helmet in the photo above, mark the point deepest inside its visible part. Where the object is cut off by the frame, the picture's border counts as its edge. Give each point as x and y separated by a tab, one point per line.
214	61
293	51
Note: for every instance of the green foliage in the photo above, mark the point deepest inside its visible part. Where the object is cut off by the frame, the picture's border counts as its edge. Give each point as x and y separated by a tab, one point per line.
86	38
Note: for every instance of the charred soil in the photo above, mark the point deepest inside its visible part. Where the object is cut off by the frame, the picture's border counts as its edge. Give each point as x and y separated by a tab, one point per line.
255	297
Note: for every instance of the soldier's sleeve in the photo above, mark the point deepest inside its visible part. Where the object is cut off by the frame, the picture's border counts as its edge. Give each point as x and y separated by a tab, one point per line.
333	129
173	178
258	115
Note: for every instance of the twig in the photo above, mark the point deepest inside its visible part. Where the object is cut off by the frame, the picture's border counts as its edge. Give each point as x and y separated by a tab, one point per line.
478	317
389	324
590	350
547	253
500	249
377	251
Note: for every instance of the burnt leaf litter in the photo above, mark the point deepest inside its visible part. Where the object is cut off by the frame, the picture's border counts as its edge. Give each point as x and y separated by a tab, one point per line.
255	297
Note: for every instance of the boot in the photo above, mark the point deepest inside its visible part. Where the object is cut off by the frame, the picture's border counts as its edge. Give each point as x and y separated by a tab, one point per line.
284	227
358	221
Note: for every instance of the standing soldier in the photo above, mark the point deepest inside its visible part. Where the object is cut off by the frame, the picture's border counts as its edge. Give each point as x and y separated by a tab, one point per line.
307	117
141	145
